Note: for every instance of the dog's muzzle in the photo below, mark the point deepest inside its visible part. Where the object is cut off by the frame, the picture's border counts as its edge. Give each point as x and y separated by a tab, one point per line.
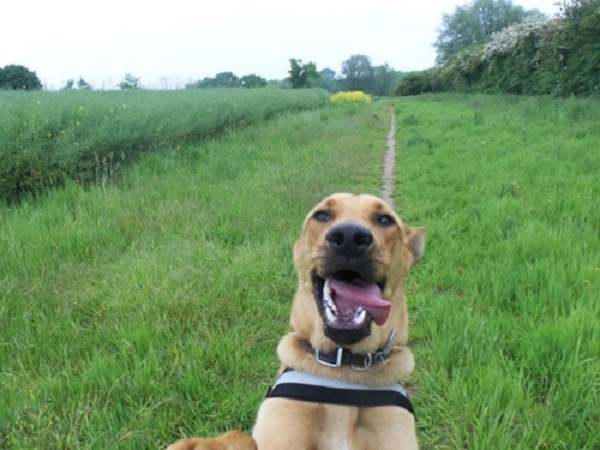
348	296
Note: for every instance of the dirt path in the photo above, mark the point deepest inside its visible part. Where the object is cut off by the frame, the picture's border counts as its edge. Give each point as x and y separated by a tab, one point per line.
389	162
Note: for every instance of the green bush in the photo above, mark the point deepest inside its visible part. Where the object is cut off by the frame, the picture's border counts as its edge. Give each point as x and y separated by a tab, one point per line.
47	138
426	81
559	57
414	83
580	49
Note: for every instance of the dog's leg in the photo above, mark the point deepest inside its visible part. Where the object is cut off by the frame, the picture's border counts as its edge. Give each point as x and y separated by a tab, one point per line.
232	440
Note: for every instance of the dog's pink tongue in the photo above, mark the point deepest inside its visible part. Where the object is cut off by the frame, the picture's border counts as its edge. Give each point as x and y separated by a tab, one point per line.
360	294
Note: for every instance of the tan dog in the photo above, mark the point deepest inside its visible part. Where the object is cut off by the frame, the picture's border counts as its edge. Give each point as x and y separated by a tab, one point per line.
348	348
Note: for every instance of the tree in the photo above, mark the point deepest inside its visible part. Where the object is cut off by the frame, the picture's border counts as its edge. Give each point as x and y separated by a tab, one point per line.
252	81
474	23
303	75
359	74
69	85
383	80
129	82
19	78
83	85
328	80
226	79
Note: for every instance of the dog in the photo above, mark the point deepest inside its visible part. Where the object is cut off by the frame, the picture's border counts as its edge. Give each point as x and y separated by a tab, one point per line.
338	385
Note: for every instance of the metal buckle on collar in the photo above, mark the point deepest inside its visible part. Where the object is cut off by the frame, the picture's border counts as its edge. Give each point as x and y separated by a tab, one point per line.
338	358
368	361
373	362
378	359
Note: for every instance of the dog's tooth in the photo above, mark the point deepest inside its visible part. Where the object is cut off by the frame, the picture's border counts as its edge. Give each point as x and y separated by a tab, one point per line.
326	290
327	300
361	316
331	307
329	315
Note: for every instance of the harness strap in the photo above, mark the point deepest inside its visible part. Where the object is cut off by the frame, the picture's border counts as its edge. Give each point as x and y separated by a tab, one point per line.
315	389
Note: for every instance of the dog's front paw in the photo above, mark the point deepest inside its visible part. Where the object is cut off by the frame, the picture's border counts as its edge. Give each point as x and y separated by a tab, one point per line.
232	440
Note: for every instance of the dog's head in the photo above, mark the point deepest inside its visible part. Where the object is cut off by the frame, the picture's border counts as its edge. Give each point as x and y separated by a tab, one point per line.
352	257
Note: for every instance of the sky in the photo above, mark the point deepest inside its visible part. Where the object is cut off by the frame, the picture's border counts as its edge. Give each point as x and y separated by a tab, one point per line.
171	43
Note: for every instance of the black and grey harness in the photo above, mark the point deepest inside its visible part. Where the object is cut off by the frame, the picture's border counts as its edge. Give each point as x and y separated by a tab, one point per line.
308	387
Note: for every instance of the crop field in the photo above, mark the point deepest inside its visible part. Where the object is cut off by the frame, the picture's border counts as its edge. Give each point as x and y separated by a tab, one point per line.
136	312
47	138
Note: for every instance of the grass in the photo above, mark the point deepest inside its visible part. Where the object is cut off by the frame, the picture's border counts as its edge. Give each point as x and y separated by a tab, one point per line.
49	137
505	307
134	314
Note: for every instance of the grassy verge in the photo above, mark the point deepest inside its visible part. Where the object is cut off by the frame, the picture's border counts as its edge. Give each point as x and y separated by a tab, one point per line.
47	138
133	314
505	307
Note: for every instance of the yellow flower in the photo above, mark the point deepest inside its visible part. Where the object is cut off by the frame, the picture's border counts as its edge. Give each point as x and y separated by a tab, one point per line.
350	97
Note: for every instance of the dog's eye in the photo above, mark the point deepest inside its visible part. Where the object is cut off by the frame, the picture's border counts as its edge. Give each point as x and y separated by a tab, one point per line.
385	220
322	215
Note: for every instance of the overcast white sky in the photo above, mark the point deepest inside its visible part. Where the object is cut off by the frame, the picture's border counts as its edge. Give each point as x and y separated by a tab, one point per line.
168	44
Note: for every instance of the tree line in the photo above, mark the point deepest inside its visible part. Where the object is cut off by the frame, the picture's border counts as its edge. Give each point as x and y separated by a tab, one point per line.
20	78
358	73
487	46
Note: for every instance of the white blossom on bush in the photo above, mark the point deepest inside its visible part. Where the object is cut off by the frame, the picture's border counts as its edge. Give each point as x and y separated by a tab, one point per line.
510	40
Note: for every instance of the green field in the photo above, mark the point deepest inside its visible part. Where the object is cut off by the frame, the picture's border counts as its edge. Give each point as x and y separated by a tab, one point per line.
136	313
505	307
48	138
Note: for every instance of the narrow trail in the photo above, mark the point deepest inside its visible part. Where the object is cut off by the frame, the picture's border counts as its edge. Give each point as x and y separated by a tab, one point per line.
389	162
387	189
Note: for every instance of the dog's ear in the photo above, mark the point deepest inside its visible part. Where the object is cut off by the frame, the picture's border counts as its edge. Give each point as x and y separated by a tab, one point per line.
414	242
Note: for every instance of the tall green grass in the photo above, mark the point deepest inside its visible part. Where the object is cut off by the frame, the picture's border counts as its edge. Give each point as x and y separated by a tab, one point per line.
47	138
506	306
134	314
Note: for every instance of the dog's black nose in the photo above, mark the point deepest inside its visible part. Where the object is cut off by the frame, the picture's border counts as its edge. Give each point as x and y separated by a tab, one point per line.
349	239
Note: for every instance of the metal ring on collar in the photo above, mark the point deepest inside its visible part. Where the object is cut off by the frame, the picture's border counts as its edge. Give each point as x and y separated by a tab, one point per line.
366	363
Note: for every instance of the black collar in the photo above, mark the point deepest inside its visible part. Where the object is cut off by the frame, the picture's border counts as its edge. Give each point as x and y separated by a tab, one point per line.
344	357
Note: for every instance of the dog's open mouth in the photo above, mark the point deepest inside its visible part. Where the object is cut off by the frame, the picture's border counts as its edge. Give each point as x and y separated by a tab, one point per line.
349	302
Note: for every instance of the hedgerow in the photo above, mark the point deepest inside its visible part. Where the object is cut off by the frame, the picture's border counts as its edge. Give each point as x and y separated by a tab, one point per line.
47	138
558	56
